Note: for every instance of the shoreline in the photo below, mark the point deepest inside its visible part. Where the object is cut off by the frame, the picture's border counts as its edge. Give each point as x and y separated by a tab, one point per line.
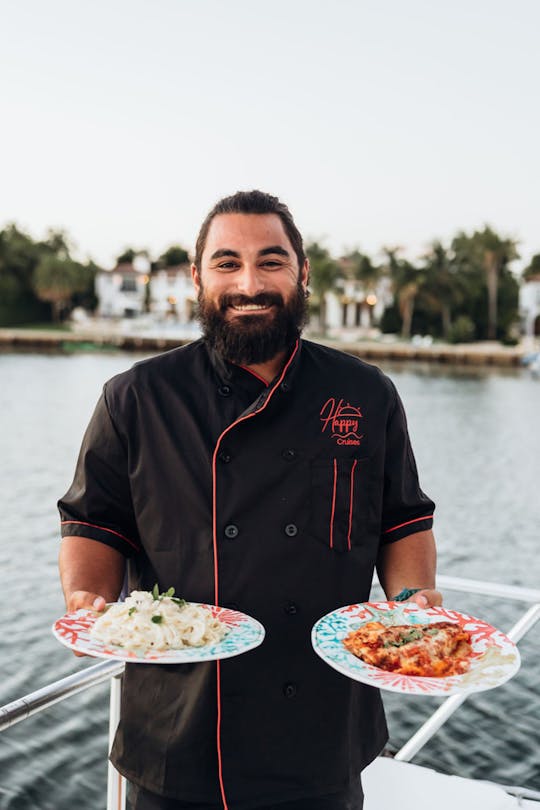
472	354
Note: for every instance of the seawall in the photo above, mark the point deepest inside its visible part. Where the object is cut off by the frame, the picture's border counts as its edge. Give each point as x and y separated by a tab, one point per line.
473	354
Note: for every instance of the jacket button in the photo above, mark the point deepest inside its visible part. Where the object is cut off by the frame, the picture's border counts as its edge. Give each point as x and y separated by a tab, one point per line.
291	530
289	454
231	531
224	391
285	386
291	609
224	456
289	690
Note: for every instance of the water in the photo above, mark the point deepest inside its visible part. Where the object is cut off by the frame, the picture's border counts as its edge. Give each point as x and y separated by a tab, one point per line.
477	444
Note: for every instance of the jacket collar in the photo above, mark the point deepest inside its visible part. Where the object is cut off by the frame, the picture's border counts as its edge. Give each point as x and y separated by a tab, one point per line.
229	372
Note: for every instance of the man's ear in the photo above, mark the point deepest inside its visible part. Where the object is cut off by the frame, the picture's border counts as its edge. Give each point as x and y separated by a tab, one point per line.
304	274
195	278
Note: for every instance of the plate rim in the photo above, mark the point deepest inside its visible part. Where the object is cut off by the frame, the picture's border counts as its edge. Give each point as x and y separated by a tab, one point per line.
445	688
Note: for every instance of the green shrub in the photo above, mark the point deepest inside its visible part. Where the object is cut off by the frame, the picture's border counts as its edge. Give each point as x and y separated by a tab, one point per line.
462	330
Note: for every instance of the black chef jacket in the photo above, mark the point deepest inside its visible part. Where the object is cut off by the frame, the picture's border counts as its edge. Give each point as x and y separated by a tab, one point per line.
271	499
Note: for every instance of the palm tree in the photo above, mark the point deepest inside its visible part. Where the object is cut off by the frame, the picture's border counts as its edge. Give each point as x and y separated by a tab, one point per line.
407	281
441	289
490	253
324	272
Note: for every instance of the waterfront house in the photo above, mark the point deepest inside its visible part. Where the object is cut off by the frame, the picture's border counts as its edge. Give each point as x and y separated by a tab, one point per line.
529	306
122	292
171	293
354	307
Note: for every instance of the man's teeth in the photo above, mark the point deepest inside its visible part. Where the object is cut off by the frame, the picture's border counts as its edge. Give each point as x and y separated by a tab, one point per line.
249	307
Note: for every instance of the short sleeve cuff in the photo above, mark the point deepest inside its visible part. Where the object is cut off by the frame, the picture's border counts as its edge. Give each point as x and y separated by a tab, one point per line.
401	530
78	528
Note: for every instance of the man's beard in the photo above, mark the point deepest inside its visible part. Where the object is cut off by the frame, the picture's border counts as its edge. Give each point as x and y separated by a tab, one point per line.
247	339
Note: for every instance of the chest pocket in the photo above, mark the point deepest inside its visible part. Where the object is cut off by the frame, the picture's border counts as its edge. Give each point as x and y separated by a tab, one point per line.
339	501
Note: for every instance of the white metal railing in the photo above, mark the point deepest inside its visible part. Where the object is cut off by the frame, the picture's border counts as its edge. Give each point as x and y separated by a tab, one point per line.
53	693
44	698
522	626
25	707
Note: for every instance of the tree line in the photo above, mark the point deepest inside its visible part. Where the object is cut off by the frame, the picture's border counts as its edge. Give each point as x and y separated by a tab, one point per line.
461	291
40	281
464	290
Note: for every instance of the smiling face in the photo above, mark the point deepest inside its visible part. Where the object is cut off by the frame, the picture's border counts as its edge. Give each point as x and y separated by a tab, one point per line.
250	289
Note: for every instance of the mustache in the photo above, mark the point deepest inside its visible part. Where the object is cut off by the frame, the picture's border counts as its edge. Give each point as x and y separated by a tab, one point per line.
263	299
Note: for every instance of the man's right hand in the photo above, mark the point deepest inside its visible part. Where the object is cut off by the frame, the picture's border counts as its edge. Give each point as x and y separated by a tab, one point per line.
88	601
84	564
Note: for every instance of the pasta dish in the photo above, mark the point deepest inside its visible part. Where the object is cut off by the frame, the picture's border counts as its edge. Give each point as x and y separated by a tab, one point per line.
152	621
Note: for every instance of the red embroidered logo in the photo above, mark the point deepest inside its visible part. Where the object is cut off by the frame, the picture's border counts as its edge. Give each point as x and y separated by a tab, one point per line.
342	419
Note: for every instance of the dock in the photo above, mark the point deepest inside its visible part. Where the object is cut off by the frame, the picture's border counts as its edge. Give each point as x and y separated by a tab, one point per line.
470	354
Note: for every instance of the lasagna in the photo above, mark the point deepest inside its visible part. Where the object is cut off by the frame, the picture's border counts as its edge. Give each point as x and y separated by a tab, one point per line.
430	650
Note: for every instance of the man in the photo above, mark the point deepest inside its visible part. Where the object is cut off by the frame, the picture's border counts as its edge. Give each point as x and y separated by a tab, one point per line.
254	470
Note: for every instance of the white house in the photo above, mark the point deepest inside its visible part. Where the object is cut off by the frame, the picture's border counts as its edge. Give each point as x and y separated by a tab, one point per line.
172	294
353	307
529	306
121	292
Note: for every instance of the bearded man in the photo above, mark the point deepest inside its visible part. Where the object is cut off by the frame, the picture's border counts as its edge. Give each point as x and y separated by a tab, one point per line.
259	471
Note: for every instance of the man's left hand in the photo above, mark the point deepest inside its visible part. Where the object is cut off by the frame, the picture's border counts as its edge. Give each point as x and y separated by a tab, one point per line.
427	598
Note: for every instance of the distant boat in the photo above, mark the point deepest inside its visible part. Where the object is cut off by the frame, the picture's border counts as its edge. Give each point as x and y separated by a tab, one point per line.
532	361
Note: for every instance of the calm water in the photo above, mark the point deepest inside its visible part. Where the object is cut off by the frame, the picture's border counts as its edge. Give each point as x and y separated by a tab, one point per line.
477	444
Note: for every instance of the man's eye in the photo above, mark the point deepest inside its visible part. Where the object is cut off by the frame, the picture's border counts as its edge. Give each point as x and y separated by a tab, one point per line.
271	264
227	265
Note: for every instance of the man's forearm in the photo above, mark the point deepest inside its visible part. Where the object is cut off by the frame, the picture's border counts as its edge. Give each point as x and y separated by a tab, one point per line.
408	563
89	569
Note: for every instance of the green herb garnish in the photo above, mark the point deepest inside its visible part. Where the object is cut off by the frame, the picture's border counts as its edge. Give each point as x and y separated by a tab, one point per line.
157	619
157	596
410	635
131	611
179	602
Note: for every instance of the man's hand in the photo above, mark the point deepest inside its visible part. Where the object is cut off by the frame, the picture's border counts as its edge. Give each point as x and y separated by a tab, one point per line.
410	563
92	574
86	600
426	598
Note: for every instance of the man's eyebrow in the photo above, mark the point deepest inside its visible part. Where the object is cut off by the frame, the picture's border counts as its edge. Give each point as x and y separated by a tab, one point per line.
224	252
274	249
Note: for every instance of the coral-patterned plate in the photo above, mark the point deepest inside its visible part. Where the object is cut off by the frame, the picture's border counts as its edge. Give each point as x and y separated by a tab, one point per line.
494	659
245	633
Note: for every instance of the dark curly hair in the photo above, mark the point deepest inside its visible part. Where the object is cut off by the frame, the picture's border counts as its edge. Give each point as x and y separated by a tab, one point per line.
252	202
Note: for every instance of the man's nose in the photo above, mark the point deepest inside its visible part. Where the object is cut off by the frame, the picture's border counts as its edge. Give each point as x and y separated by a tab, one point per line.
250	281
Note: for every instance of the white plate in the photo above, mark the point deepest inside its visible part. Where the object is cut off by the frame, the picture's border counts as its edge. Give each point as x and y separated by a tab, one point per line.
494	660
245	633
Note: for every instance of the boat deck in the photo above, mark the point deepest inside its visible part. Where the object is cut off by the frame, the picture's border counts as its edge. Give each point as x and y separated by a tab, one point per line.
388	782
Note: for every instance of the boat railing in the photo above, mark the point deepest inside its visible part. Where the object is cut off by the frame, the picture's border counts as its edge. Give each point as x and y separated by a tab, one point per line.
52	693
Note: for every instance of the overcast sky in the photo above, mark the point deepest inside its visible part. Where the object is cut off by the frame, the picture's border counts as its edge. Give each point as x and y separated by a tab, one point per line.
379	123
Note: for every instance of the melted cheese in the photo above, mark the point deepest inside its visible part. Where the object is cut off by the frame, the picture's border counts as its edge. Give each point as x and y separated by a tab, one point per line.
430	650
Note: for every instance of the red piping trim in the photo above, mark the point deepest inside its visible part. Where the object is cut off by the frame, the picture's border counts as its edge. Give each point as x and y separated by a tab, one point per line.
216	571
246	368
101	528
426	517
351	493
333	506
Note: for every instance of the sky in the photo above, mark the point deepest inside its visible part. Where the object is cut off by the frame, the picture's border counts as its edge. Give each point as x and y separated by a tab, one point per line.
380	123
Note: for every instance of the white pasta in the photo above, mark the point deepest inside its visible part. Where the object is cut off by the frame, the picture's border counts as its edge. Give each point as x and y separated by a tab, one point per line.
145	623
